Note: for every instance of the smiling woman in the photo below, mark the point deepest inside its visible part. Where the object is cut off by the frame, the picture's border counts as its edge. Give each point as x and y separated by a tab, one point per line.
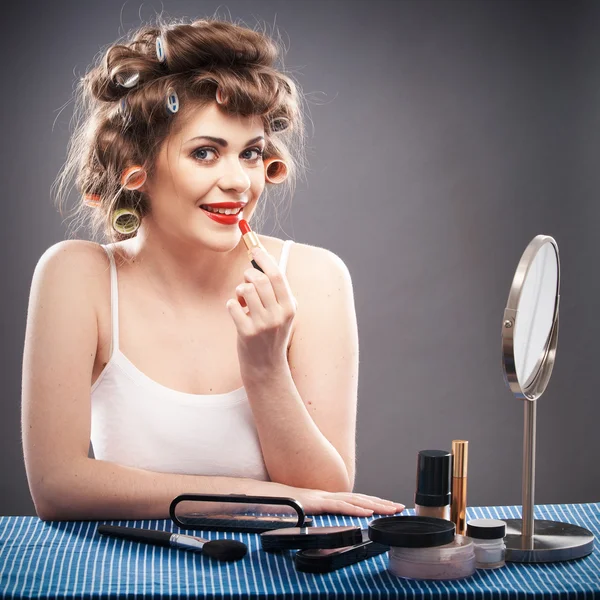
187	369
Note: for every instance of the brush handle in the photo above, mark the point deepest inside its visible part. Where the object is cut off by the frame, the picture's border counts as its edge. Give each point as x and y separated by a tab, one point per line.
226	550
149	536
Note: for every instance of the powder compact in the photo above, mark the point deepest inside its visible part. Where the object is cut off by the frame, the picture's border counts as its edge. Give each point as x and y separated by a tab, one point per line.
424	547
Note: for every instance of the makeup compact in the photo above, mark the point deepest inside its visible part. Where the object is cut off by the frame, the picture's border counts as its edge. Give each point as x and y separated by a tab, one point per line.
237	512
311	537
319	560
424	547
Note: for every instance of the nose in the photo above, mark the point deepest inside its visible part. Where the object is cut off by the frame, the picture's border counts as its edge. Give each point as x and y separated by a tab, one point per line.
234	177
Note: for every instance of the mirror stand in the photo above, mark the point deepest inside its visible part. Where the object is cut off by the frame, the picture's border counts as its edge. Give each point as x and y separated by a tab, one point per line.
530	540
528	356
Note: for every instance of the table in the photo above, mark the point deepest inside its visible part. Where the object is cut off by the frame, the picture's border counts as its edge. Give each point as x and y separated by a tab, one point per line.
68	559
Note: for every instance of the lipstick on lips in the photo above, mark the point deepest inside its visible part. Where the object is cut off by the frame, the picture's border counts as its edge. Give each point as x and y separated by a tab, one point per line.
222	218
251	240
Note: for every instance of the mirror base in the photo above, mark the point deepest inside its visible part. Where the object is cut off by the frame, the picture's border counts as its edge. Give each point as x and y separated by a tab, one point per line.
552	542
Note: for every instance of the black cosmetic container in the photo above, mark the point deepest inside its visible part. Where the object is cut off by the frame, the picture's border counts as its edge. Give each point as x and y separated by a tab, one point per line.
434	484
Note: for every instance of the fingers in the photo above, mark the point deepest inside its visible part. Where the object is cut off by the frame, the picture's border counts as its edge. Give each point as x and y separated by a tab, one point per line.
279	282
363	505
258	284
381	501
378	507
346	508
241	299
251	297
346	503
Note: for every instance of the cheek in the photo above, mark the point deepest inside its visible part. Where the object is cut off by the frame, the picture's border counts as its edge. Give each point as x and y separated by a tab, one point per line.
192	184
258	182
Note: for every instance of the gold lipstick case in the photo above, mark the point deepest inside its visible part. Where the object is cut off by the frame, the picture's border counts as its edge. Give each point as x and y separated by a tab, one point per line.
458	509
251	240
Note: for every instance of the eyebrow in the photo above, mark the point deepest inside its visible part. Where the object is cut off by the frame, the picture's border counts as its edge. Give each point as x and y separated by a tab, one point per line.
222	142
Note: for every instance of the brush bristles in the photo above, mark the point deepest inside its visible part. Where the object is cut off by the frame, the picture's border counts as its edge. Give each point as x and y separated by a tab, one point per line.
225	549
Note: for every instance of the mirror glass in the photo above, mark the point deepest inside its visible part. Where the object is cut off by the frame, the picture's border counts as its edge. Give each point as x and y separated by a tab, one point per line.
207	514
535	314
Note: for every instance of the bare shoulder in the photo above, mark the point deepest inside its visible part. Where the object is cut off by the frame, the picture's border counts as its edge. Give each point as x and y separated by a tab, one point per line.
73	265
306	260
325	262
72	254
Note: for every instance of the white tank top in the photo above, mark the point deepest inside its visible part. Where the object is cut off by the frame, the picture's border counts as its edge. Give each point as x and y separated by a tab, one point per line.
138	422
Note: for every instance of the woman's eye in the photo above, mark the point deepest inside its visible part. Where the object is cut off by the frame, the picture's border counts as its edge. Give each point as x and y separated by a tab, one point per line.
196	154
258	151
200	154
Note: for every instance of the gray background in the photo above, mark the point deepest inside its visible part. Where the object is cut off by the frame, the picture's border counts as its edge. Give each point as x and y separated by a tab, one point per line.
445	136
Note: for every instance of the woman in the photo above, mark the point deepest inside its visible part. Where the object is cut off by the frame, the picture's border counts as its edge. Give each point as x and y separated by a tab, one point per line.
174	122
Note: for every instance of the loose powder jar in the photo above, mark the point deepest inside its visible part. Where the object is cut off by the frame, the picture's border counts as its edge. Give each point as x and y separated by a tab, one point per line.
424	547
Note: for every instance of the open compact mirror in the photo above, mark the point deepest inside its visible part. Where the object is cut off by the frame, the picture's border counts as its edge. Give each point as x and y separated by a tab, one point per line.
529	338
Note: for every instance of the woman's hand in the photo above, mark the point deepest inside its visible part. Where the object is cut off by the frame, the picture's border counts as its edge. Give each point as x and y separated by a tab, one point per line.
316	502
264	328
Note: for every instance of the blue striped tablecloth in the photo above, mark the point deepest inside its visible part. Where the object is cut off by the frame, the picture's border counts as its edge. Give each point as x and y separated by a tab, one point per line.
68	559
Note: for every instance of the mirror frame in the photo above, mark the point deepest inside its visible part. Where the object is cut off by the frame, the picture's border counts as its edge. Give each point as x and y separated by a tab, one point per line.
534	387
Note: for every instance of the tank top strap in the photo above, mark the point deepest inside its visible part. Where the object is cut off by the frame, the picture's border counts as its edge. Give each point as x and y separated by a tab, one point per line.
114	302
285	252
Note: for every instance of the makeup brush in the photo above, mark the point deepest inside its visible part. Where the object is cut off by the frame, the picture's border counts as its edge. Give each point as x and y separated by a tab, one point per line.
227	550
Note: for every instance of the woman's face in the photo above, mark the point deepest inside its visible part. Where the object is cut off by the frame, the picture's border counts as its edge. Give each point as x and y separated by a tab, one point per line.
192	170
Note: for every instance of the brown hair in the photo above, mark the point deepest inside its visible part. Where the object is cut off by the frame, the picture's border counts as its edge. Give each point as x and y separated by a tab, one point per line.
117	127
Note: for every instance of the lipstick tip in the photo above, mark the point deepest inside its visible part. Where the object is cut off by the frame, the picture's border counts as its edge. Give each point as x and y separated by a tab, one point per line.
244	227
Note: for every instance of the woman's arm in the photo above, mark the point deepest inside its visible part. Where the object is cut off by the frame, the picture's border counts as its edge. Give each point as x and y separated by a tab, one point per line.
305	407
91	489
85	489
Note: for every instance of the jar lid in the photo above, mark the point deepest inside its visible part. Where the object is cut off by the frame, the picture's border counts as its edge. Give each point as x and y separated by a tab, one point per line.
412	532
486	529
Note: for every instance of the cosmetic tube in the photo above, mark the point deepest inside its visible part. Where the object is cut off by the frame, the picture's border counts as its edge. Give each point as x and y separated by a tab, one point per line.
251	241
434	473
460	456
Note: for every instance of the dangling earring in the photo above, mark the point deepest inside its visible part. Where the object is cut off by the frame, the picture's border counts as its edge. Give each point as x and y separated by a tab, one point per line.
126	220
276	170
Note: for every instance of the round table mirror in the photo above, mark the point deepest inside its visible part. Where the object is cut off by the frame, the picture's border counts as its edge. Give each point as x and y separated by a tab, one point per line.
529	339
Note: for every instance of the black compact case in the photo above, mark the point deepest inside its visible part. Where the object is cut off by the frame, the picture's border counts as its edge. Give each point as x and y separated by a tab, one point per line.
327	560
237	512
311	537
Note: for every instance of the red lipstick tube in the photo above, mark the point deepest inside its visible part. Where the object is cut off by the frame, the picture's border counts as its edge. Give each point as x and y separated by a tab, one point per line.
251	240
